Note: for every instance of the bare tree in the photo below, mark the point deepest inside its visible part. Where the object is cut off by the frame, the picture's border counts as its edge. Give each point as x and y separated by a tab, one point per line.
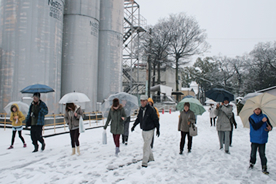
187	40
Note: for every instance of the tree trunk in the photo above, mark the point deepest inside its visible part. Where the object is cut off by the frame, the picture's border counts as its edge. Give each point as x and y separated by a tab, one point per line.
176	74
154	69
159	73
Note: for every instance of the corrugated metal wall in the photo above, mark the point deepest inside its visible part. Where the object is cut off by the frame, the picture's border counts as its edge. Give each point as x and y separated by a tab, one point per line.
110	48
31	33
80	49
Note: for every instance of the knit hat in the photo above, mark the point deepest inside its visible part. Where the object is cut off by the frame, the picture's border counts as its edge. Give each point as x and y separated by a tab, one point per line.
115	102
36	95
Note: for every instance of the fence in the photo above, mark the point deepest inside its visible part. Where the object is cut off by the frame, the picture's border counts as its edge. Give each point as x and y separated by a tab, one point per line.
55	117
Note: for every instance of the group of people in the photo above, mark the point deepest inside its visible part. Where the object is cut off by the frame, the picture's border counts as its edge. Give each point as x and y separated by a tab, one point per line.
148	118
259	128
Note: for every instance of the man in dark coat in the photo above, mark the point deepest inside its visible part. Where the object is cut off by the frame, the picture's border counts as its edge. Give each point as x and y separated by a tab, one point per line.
35	119
148	120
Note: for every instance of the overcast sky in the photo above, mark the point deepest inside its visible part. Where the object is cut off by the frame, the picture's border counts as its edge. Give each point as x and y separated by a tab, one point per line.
234	27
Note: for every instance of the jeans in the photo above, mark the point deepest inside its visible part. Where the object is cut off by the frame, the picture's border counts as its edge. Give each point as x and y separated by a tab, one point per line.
261	148
182	141
74	134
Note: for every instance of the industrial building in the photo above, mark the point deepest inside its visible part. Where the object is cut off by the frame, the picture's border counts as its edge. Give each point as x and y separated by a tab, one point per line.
69	45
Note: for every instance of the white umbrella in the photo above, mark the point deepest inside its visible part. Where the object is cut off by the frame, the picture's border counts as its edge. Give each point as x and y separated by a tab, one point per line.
23	107
266	102
74	97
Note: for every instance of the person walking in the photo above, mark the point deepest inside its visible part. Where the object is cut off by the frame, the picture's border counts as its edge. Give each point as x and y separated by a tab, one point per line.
186	119
16	118
224	113
125	135
148	120
233	124
212	115
35	119
116	116
151	102
72	115
259	129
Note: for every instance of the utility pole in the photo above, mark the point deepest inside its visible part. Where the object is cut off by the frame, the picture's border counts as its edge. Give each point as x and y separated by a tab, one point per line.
149	64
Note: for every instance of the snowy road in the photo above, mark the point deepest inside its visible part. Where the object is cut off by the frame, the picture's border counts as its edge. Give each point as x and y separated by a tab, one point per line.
98	164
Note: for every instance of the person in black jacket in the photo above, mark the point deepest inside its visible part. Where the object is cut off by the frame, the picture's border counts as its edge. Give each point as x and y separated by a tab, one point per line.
148	120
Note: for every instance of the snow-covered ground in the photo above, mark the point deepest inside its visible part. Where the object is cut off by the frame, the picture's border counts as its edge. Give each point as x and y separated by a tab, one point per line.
98	163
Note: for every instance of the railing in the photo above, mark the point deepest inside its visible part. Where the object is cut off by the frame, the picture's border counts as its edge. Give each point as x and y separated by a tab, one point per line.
58	116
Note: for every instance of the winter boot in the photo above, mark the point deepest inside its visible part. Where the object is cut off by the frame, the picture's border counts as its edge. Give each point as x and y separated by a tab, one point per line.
126	139
189	150
43	146
123	139
11	147
78	150
117	151
35	148
264	169
24	145
73	151
181	152
251	166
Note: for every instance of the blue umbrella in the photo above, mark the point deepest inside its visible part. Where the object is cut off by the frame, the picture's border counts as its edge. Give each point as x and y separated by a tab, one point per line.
218	94
37	88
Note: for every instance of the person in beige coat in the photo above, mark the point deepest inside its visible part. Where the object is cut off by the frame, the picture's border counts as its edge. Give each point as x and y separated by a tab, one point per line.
186	119
72	115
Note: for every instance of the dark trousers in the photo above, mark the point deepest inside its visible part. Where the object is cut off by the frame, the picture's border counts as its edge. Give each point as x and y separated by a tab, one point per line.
261	149
230	136
213	119
20	136
116	138
74	134
182	141
36	134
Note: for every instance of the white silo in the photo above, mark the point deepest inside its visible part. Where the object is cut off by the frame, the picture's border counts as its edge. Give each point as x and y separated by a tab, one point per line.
80	49
110	48
31	34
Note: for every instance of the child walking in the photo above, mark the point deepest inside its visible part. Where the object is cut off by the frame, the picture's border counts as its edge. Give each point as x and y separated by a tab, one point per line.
16	118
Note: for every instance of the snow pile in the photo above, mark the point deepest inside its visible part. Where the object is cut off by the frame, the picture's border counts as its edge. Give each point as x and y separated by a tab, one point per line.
98	163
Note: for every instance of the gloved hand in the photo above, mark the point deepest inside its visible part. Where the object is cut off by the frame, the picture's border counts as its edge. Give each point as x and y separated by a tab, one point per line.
132	128
157	132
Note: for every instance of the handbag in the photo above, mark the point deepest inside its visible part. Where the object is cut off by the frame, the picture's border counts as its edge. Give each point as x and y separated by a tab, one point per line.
104	137
81	126
193	130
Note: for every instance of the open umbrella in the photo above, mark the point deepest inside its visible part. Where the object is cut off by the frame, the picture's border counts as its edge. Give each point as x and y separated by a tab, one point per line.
74	97
249	95
23	107
218	94
37	88
210	101
195	106
129	102
266	102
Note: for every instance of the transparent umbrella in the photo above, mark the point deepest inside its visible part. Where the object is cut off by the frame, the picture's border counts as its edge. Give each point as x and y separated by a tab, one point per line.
129	102
23	107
